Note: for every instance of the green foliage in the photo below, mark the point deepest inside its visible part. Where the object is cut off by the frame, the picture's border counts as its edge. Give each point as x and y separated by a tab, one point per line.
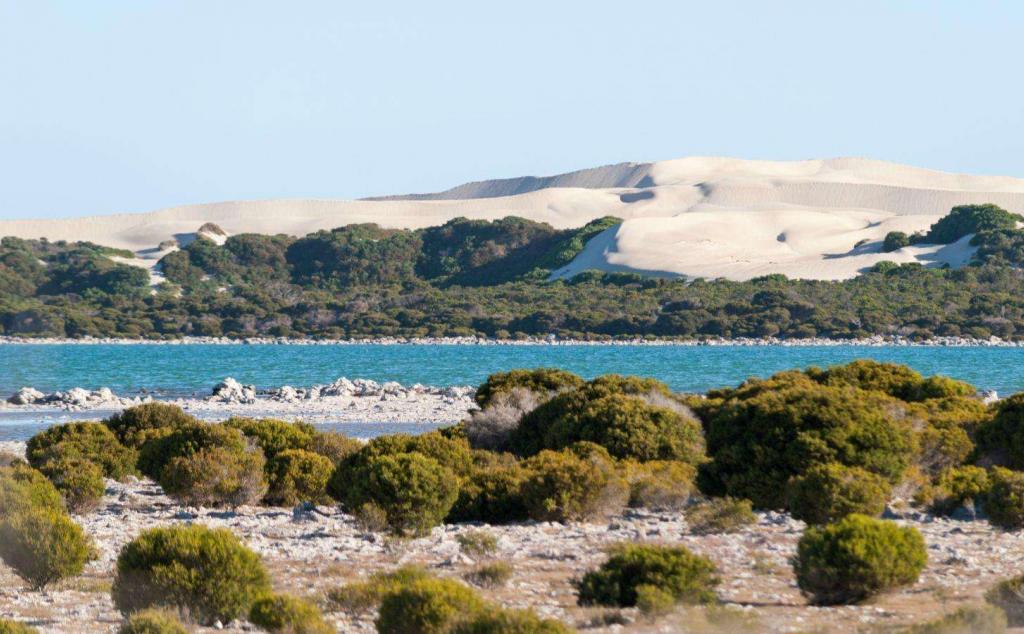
153	622
1002	437
13	627
365	595
274	436
427	606
967	620
543	381
185	441
829	492
1004	501
207	572
686	577
720	515
494	620
492	492
490	575
967	219
895	240
660	484
79	481
43	545
93	442
1008	595
215	476
23	488
857	558
353	255
284	613
563	487
297	476
134	425
477	543
957	486
334	446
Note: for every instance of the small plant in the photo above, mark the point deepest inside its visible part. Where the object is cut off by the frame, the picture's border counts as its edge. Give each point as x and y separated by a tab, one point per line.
829	492
494	620
283	613
1004	501
365	595
653	601
493	575
1008	595
13	627
562	487
86	441
135	425
207	572
857	558
427	606
477	543
967	620
43	545
79	481
153	622
895	240
660	484
719	515
297	475
686	577
215	476
371	518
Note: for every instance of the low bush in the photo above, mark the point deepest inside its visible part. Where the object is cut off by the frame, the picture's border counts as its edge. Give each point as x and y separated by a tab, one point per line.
9	458
562	487
829	492
79	481
1004	501
427	606
135	425
477	543
363	596
13	627
283	613
895	240
967	620
1001	439
334	446
43	545
491	493
86	441
1008	595
959	486
184	441
495	620
541	381
652	601
216	476
153	622
492	428
272	435
857	558
371	518
720	515
206	572
296	475
23	488
660	484
686	577
493	575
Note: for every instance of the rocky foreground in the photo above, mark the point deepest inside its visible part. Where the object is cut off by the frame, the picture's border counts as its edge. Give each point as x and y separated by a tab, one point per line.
310	551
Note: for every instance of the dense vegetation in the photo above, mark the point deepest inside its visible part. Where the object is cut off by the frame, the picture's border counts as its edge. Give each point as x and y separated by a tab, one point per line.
472	277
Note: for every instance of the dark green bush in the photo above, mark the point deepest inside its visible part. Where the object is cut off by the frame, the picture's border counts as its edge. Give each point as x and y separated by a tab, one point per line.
184	441
13	627
857	558
898	381
492	492
966	219
216	476
272	435
829	492
283	613
153	622
720	515
296	475
968	620
1008	595
1001	439
1004	500
135	425
415	491
562	487
43	545
334	446
542	381
895	240
660	484
494	620
427	606
207	572
687	577
88	441
957	486
79	481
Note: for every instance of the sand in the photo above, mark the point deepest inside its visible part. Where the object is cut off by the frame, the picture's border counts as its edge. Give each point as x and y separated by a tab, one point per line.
692	217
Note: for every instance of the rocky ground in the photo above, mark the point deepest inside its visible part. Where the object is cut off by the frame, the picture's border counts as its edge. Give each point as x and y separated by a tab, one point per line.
310	553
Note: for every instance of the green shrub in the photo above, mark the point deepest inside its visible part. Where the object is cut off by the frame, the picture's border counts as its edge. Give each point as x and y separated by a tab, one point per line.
562	487
274	436
207	572
967	620
153	622
415	491
334	446
1002	437
1008	595
283	613
371	518
86	441
43	545
13	627
895	240
958	486
427	606
857	558
184	441
966	219
216	477
23	488
477	543
79	481
135	425
660	484
495	620
686	577
719	515
492	575
829	492
1004	501
542	381
296	475
365	595
491	493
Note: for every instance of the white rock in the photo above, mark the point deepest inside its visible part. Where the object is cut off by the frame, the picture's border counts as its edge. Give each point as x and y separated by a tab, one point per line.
26	396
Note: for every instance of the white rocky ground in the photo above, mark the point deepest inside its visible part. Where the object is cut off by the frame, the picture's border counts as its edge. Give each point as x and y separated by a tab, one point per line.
309	554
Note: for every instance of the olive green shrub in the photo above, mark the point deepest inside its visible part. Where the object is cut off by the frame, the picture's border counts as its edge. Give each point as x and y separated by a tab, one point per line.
719	515
1004	500
135	425
495	620
1008	595
427	606
205	572
856	558
362	596
13	627
153	621
829	492
958	486
23	488
560	486
490	575
272	435
477	543
86	441
541	381
492	492
79	481
184	441
215	476
288	614
43	545
334	446
297	475
1001	439
986	619
686	577
660	484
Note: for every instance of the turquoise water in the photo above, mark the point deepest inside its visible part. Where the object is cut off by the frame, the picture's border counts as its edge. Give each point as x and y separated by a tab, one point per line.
177	370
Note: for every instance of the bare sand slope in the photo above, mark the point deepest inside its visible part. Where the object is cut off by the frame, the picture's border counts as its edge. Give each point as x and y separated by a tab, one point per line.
696	217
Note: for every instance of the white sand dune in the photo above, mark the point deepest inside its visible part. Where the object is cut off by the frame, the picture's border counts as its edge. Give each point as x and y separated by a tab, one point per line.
694	217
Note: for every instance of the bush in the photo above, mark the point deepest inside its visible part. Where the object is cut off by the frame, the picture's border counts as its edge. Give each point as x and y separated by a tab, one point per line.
1008	595
477	543
660	484
492	575
1004	501
283	613
967	620
541	381
371	518
153	622
966	219
13	627
895	240
857	558
87	441
23	488
274	436
185	441
959	486
719	515
43	545
207	572
1002	437
365	595
427	606
562	487
500	621
296	475
135	425
334	446
79	481
215	476
492	427
687	577
827	493
415	491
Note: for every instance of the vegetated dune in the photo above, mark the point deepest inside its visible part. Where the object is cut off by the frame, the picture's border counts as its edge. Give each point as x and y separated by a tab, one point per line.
694	217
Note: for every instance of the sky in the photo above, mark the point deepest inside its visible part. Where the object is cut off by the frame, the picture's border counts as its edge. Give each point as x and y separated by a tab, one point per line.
124	106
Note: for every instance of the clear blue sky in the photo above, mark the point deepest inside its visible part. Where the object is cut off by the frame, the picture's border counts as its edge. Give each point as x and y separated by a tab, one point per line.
133	105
